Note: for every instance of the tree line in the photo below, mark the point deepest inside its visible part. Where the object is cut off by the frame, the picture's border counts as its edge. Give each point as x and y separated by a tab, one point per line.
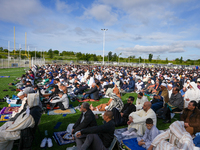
111	57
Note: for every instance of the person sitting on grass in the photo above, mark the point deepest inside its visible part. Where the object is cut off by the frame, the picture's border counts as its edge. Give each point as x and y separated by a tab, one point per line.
131	85
121	118
149	135
62	102
175	138
191	118
86	119
27	118
137	119
141	99
97	137
102	107
93	93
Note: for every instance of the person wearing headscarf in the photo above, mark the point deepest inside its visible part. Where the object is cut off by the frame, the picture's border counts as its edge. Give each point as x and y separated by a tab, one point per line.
193	93
178	138
115	103
29	117
186	84
101	107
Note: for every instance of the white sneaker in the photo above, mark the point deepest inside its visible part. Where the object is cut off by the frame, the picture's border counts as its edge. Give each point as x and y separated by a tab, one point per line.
43	143
49	141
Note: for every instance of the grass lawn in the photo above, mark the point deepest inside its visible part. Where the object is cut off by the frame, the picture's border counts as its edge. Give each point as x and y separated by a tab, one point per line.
48	122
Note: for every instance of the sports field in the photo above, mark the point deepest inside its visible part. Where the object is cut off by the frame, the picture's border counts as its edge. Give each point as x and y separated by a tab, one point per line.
48	122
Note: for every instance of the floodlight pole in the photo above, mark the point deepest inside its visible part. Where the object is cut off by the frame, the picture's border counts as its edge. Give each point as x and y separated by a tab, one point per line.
104	34
8	53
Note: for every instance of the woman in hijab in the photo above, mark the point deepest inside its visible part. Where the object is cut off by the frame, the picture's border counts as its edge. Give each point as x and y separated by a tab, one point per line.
193	93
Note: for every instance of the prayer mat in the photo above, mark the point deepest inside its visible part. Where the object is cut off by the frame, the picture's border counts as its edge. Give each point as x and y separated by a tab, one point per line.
87	100
4	76
15	105
132	144
48	107
59	111
58	136
4	118
8	110
120	137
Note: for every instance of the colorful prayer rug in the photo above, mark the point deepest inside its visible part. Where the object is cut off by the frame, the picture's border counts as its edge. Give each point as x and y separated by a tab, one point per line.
59	111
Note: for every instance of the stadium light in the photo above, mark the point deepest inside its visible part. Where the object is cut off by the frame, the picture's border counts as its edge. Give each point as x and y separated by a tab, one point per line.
104	42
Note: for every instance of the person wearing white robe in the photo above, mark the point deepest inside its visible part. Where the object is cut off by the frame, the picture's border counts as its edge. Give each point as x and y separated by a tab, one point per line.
179	138
139	85
169	88
141	99
11	130
137	119
23	97
186	84
193	93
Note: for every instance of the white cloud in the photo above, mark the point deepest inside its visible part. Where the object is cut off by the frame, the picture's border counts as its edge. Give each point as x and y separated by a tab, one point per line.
19	11
102	13
138	49
62	6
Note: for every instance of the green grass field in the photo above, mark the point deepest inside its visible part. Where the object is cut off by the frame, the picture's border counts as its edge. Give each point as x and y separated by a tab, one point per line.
48	122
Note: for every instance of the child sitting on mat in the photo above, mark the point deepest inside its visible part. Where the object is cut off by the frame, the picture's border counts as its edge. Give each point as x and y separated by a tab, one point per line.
150	133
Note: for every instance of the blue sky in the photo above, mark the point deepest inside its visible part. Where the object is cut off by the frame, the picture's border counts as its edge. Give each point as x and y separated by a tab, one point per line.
168	29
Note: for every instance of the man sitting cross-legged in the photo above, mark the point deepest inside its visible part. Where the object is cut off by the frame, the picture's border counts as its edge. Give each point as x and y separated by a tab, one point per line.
137	119
98	137
93	93
121	118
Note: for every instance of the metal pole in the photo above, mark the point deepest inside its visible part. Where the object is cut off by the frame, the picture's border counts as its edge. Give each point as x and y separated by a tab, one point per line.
25	43
8	53
14	39
35	55
104	42
19	54
28	52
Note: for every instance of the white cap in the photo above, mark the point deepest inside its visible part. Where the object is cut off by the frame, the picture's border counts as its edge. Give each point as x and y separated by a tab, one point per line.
20	94
169	85
163	84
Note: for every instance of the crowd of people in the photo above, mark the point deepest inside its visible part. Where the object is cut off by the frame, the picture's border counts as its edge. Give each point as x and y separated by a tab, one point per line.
170	90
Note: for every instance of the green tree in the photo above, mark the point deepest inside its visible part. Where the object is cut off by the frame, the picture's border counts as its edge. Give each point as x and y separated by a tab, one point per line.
78	55
177	60
5	50
140	59
181	60
114	57
150	57
110	56
1	49
56	52
167	60
50	53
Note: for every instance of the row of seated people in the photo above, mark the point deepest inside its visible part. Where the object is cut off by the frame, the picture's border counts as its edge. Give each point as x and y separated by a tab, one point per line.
142	122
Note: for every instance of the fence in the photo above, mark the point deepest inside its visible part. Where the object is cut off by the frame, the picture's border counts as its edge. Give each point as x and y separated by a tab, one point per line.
14	63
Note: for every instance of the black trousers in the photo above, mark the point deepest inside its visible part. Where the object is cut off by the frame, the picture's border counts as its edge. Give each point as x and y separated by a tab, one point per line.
57	104
91	141
165	113
119	121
